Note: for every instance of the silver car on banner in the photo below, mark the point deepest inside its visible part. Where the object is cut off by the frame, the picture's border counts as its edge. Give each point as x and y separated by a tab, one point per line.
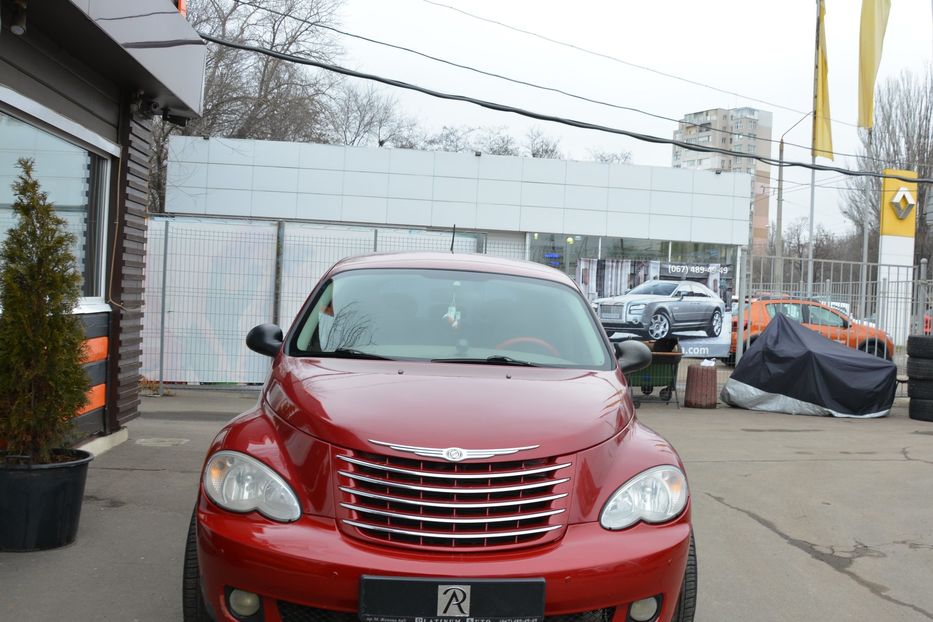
656	309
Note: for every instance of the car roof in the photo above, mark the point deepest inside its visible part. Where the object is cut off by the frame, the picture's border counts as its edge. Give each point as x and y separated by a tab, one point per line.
470	262
801	301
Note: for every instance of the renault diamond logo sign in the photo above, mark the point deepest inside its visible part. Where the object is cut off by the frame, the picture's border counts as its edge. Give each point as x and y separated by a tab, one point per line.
453	601
903	203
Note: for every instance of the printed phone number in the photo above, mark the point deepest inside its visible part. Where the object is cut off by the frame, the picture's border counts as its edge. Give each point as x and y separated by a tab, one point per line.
696	270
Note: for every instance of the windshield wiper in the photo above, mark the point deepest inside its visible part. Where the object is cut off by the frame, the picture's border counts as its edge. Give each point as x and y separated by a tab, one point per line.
352	353
489	360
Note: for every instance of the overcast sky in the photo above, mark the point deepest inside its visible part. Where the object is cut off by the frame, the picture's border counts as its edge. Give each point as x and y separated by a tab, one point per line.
760	49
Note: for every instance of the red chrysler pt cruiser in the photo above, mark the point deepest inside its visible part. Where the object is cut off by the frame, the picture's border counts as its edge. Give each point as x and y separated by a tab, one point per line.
442	438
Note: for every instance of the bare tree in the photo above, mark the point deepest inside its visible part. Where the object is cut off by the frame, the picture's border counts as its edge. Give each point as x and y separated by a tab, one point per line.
902	139
359	117
248	95
611	157
539	145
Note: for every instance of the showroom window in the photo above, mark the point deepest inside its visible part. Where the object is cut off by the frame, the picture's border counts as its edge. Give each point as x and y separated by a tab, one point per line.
75	181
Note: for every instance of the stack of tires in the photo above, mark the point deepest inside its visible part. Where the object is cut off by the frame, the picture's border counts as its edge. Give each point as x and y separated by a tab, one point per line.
920	377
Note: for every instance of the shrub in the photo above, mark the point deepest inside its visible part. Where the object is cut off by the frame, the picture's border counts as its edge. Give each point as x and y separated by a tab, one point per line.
42	382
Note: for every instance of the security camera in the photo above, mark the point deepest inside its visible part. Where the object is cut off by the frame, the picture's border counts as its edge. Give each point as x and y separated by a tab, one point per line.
151	107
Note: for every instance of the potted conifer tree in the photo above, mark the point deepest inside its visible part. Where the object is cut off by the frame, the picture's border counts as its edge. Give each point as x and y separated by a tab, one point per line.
42	382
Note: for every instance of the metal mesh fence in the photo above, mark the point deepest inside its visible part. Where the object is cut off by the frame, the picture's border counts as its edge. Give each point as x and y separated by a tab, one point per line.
209	281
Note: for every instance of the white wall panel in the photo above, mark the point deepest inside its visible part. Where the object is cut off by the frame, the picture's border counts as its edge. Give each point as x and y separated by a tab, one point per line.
625	225
671	203
267	204
585	198
229	176
711	230
544	171
544	219
228	202
409	212
495	167
364	209
498	216
230	151
543	195
320	181
460	190
183	200
319	207
663	227
625	176
712	206
502	192
456	164
360	184
411	162
275	178
448	214
721	184
584	222
368	160
189	174
740	232
328	157
672	179
411	187
626	200
276	153
587	174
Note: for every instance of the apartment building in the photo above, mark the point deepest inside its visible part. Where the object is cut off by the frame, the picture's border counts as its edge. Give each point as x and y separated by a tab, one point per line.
741	130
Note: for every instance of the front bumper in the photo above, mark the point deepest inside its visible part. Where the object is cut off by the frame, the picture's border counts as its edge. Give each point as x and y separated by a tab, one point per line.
619	326
310	563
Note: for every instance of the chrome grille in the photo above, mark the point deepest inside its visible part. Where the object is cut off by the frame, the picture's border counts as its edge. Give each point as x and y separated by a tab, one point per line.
469	505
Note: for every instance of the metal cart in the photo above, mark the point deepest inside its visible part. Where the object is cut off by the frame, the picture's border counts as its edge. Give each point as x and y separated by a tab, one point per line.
661	374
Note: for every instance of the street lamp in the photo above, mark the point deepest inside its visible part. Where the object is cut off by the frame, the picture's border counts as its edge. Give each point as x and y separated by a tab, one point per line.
779	232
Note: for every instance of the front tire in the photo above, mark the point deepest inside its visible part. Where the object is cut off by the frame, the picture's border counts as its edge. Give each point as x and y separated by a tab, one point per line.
192	600
686	605
659	326
715	324
873	347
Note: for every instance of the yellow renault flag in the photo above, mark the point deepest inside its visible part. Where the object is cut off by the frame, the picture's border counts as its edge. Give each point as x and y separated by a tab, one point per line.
822	134
871	37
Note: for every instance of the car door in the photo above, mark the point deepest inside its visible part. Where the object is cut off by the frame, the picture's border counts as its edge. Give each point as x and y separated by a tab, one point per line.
827	322
703	304
680	304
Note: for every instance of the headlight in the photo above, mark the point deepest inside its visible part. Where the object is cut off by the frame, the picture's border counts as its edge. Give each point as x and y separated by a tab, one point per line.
636	309
238	483
654	496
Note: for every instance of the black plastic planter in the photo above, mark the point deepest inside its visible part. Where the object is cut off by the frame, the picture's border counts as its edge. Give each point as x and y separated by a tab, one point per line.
40	504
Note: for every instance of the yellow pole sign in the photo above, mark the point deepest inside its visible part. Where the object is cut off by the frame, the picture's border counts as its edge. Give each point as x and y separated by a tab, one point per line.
899	204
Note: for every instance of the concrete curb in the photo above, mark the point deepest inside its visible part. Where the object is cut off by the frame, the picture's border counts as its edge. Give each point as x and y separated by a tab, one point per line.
103	444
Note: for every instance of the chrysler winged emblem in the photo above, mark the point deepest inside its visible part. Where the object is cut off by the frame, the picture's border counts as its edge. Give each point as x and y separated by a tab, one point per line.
453	454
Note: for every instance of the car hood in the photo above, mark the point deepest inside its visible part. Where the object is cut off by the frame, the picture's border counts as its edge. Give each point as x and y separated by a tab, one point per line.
353	402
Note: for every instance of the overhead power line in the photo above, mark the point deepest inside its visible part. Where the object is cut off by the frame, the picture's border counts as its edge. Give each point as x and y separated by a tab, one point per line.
616	59
539	86
546	117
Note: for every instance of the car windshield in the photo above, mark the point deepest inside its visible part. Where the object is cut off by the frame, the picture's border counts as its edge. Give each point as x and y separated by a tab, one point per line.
654	288
451	316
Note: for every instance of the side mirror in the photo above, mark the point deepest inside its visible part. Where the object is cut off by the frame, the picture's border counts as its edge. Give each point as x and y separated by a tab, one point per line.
632	356
265	339
680	294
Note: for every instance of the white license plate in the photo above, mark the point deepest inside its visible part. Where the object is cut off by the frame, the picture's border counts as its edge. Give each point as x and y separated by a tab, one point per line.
611	316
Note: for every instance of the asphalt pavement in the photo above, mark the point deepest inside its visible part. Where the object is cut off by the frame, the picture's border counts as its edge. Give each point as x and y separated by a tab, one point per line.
795	517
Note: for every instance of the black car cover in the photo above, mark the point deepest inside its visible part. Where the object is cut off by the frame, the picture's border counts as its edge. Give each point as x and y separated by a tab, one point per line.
793	369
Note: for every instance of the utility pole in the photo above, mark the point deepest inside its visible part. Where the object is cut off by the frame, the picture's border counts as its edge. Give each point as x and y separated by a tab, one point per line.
779	230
